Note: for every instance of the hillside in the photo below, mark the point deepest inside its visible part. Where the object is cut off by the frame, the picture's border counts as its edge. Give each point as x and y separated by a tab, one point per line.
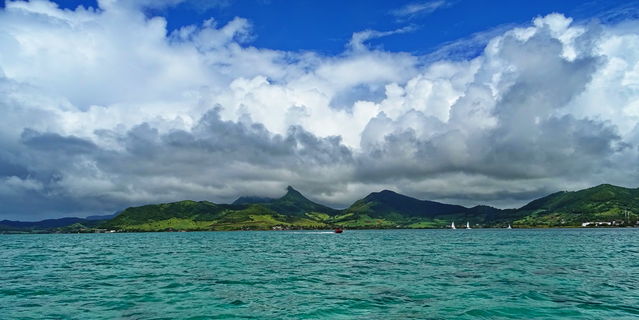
387	203
601	203
384	209
46	225
294	203
390	209
248	213
187	209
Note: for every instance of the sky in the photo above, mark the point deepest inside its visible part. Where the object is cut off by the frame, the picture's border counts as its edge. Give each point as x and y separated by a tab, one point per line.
109	104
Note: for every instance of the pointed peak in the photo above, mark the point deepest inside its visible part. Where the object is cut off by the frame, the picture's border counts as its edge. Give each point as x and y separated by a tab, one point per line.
291	192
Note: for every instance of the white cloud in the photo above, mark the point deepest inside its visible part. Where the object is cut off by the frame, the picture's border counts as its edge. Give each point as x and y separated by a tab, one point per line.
416	8
103	108
358	39
13	185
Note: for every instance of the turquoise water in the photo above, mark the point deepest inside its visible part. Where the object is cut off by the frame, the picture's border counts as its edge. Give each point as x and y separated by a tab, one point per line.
393	274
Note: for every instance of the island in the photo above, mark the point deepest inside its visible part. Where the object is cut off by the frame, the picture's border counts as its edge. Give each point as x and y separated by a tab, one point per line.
601	206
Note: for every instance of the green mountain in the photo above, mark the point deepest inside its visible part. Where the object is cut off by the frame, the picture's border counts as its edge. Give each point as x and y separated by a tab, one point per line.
389	204
390	209
385	209
48	224
294	203
291	210
601	203
187	209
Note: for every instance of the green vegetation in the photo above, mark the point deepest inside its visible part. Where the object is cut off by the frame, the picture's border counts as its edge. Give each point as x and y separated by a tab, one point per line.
169	225
612	205
393	206
292	210
362	221
439	223
601	203
294	203
385	209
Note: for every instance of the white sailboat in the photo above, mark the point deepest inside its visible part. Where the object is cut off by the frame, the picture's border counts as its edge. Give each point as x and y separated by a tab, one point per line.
509	227
467	225
452	225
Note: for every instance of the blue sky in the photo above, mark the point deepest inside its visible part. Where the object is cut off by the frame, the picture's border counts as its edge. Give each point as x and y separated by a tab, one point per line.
459	101
326	26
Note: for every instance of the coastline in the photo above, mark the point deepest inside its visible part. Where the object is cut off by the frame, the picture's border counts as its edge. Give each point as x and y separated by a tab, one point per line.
514	227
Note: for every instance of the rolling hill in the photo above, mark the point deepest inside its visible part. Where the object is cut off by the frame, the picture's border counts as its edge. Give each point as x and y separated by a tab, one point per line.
601	203
384	209
49	224
390	209
246	213
294	203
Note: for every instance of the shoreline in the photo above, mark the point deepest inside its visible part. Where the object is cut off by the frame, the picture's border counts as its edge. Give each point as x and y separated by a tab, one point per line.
328	229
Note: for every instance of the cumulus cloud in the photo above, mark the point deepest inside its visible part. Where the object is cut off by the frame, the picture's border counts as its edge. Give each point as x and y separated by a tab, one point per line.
103	108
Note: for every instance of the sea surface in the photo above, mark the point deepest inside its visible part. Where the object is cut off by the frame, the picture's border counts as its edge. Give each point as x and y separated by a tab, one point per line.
375	274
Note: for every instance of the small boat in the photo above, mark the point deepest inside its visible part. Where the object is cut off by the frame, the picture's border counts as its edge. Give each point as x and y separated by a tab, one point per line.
338	230
509	227
467	225
452	225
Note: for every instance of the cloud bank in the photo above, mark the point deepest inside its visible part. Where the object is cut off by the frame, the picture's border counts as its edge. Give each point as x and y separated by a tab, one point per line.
102	108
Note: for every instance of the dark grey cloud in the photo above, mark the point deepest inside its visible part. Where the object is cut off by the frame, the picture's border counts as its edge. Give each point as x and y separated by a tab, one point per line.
53	142
216	160
10	169
529	111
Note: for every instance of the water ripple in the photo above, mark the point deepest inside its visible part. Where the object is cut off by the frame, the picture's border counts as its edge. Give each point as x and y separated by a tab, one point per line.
394	274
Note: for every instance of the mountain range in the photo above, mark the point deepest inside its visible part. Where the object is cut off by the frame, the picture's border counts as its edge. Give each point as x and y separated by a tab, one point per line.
384	209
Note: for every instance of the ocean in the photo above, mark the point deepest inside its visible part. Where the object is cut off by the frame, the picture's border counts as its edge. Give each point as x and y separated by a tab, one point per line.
367	274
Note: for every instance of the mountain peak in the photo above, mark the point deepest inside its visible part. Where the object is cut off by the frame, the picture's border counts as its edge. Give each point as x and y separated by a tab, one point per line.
388	203
606	186
291	192
294	202
386	195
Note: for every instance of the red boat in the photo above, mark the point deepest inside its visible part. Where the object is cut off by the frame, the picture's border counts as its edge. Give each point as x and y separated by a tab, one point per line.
338	230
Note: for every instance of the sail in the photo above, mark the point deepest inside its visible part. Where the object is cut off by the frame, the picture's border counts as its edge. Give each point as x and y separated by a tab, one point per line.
452	225
467	225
